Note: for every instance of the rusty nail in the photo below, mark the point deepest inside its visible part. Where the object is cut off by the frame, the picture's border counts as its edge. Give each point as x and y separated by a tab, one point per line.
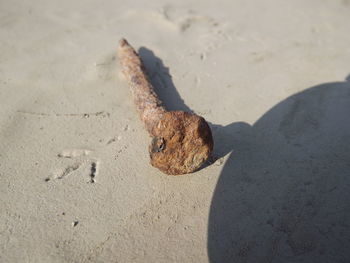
181	141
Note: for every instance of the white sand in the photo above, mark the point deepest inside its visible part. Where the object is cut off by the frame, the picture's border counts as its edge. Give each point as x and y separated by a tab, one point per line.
64	109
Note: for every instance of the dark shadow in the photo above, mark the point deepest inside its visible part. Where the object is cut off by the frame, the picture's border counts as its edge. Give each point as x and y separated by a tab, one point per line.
284	192
162	81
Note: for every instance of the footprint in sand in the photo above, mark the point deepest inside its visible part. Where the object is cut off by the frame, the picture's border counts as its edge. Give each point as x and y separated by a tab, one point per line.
90	164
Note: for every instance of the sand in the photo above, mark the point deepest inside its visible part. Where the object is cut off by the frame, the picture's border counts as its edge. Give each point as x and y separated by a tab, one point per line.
75	179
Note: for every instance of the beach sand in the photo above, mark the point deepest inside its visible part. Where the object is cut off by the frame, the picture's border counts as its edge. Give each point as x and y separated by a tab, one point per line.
75	180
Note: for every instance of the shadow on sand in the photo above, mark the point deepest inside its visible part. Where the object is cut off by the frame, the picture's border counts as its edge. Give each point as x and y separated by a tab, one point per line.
284	192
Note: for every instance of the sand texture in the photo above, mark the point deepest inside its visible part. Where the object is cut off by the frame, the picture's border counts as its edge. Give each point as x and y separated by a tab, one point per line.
272	79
